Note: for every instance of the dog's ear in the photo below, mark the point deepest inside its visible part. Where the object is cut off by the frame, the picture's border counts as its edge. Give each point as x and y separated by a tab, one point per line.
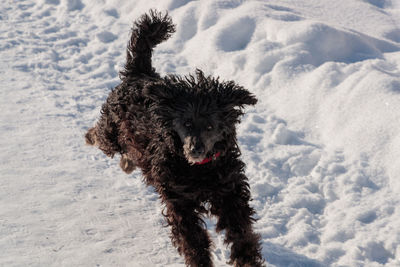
232	95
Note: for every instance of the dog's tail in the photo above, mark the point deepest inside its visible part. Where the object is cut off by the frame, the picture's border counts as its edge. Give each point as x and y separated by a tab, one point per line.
147	32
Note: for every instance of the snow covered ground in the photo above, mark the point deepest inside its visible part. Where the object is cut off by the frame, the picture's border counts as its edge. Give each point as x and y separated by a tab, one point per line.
322	147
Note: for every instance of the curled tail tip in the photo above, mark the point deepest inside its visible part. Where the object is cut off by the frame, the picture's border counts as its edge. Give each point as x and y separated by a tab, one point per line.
148	31
155	26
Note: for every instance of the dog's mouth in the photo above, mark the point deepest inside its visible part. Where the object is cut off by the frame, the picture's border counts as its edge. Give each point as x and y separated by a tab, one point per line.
199	153
200	160
194	152
192	159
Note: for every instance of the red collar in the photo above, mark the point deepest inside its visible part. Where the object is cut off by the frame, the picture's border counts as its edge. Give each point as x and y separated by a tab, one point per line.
207	160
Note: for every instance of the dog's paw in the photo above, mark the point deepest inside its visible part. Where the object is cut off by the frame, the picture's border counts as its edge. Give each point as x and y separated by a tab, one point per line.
90	137
126	164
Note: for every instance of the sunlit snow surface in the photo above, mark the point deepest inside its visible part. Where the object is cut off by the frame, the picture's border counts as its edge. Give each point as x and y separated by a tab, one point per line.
322	146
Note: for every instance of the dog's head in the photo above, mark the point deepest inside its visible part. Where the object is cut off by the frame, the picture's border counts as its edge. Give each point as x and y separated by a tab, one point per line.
200	111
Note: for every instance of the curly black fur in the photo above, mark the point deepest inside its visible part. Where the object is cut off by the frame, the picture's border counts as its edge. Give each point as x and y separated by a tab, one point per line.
142	120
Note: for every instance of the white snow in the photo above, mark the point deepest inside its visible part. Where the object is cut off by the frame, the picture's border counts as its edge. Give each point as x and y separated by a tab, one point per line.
322	146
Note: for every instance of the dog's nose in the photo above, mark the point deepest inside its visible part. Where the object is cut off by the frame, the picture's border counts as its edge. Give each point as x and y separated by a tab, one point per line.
197	149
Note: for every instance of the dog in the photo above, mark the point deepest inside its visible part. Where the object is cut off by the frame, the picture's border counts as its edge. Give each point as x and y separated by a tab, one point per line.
180	131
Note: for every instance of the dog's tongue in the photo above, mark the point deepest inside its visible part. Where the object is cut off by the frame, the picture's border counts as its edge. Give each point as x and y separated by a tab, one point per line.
207	160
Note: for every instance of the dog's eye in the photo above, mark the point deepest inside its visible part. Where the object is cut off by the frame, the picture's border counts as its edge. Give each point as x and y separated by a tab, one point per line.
209	127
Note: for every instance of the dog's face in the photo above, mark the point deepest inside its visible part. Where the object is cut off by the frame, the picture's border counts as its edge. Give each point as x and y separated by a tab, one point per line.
199	133
202	112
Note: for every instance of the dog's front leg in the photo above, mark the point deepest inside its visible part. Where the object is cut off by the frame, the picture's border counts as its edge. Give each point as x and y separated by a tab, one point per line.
188	233
235	217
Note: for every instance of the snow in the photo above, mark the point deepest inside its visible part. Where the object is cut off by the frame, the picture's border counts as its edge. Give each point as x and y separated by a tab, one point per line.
322	146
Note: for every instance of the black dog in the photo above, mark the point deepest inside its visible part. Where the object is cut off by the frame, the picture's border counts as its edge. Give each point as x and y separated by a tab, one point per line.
180	131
